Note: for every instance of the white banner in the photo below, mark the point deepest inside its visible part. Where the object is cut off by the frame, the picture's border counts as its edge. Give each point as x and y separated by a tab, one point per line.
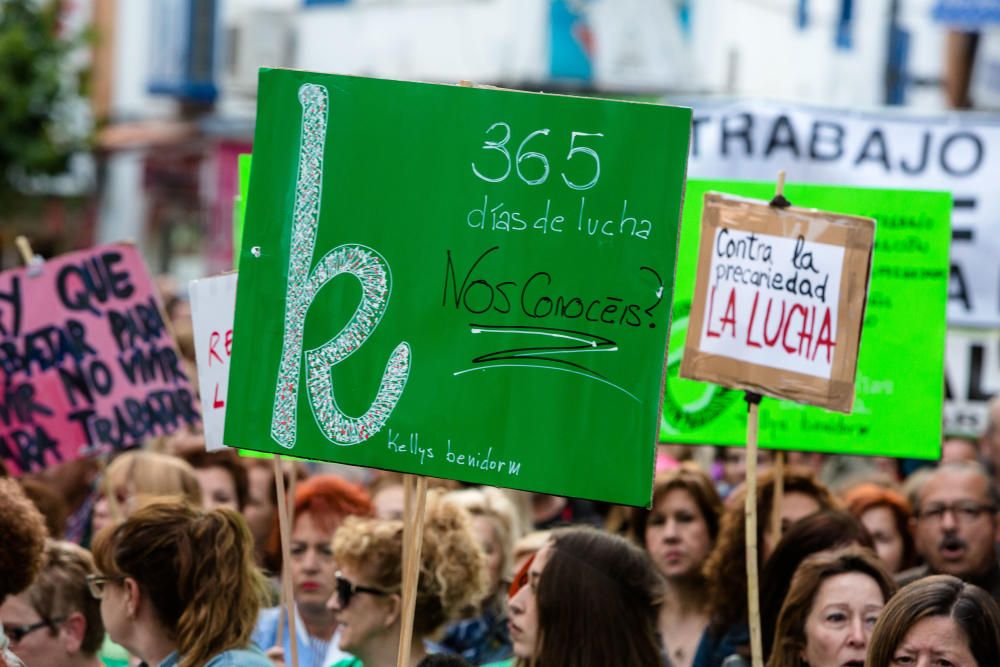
956	152
972	376
213	306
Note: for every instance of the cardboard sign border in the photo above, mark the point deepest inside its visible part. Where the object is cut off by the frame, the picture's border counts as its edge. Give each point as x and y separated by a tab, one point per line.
854	233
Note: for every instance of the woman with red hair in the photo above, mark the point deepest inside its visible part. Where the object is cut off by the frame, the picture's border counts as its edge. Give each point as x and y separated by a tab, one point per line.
321	504
886	515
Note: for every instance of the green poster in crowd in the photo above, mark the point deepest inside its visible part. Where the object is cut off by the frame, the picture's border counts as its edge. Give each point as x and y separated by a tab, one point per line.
458	282
244	163
900	378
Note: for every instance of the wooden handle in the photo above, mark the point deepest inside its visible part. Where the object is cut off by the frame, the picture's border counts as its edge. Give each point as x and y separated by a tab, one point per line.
285	533
413	533
24	248
750	510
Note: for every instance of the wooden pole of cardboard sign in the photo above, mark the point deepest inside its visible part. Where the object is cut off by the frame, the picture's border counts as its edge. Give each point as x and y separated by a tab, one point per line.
414	509
777	497
287	592
24	248
750	511
750	507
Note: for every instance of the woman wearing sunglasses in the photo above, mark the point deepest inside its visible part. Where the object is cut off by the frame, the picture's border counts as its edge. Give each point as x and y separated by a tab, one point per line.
590	599
179	587
22	546
56	621
367	598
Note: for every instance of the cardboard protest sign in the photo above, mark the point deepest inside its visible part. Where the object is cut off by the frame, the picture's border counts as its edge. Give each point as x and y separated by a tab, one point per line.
213	305
898	397
87	362
779	299
458	282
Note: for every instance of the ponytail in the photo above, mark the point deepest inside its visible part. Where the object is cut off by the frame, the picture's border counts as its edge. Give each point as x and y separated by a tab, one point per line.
196	568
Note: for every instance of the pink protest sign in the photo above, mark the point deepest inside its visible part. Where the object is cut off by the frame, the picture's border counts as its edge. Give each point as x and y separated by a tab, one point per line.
87	362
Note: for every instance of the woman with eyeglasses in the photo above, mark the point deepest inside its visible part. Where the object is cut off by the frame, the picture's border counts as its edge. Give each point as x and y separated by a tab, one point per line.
56	621
179	588
22	545
367	599
589	599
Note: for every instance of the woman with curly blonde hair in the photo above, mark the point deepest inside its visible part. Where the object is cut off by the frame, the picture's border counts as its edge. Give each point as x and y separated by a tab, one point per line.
368	600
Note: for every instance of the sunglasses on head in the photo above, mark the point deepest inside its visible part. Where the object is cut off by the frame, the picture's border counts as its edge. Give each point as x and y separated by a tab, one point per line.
346	589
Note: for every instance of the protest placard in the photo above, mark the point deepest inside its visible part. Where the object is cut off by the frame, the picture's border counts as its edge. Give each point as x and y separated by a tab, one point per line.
509	258
87	361
213	304
779	299
900	366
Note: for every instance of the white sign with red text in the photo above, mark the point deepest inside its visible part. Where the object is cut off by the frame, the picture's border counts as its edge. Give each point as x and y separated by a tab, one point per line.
771	301
213	305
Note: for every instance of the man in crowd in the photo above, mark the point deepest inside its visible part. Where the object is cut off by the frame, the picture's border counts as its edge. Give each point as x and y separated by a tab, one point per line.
956	526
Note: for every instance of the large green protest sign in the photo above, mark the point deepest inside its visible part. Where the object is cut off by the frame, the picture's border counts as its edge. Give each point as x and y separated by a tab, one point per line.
900	377
458	282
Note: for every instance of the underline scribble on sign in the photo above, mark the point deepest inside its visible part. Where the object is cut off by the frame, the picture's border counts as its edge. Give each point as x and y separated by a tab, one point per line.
529	357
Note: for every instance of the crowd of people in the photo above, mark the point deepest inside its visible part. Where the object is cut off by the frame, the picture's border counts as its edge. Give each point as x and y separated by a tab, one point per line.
169	555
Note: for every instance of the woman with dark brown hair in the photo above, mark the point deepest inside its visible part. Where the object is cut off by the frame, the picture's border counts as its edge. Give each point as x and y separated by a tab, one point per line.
832	605
886	515
179	587
823	531
938	620
678	533
726	570
590	599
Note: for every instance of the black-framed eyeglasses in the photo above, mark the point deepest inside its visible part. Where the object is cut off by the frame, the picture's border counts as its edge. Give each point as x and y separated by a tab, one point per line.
97	582
962	511
347	588
16	633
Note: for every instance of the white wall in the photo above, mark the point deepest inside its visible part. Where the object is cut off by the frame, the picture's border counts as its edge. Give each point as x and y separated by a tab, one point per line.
489	41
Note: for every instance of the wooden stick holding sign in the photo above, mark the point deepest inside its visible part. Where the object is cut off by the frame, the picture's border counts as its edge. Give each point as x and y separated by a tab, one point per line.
24	248
750	505
287	591
778	305
777	497
414	509
750	510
